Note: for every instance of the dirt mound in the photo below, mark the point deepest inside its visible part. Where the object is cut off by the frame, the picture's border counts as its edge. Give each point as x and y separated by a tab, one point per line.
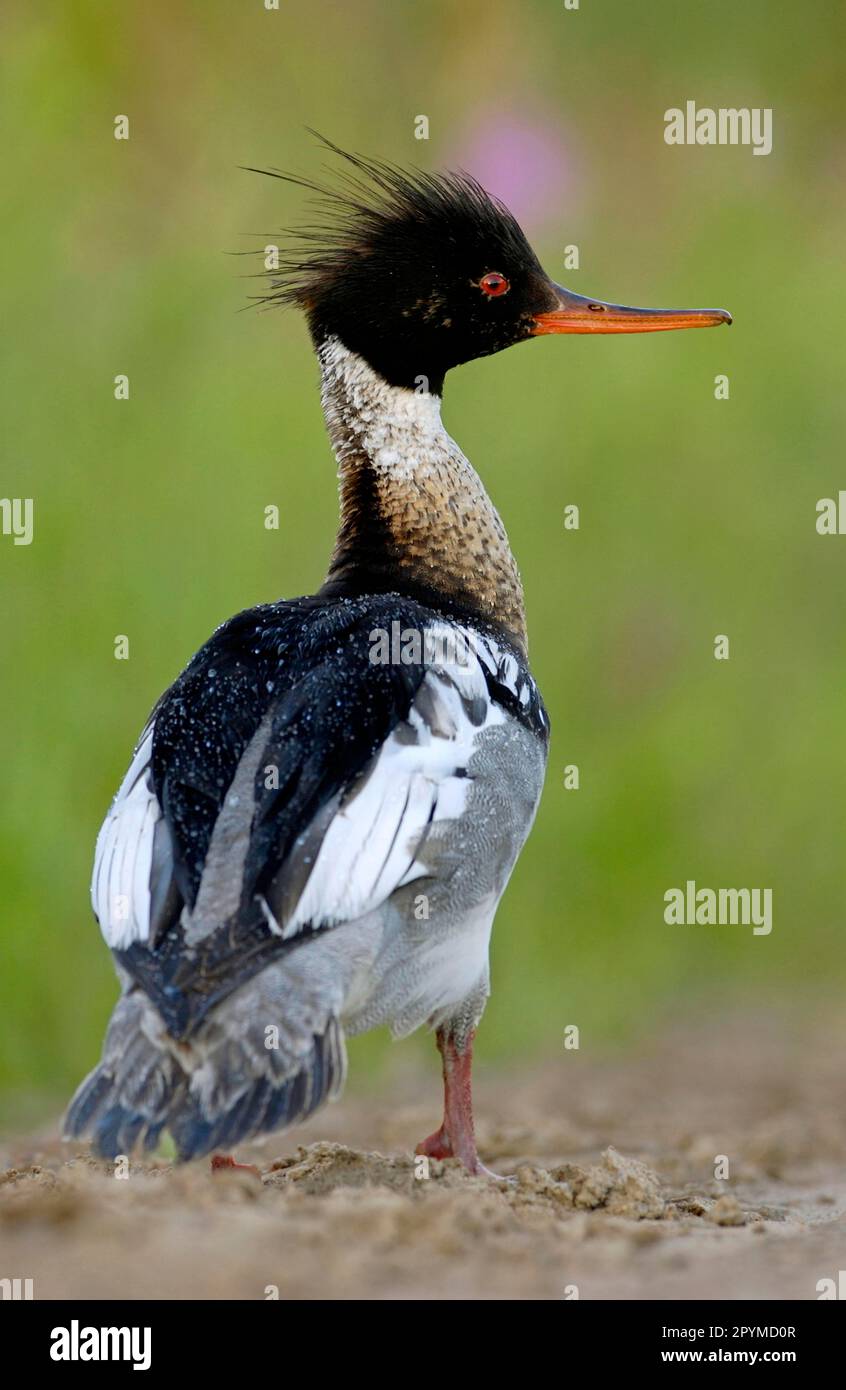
726	1179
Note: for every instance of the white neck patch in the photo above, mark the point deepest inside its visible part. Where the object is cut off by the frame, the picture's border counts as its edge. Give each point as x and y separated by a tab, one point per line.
399	431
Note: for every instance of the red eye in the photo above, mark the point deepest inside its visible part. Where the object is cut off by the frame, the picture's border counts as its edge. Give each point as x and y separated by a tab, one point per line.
493	284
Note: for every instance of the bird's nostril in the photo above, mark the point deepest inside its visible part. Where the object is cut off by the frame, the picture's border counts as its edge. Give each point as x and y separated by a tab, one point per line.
597	308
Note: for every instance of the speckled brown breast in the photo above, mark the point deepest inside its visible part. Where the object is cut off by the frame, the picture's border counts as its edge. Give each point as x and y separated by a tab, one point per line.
414	513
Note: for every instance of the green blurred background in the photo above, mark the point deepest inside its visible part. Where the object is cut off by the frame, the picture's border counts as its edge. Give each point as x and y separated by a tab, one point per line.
697	515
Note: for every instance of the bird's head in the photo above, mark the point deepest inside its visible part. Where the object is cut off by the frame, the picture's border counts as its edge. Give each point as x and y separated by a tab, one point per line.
419	272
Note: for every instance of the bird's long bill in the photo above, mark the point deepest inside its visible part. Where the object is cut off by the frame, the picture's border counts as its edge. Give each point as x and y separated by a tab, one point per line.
577	314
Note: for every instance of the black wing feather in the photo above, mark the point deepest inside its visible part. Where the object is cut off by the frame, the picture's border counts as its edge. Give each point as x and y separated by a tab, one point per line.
307	664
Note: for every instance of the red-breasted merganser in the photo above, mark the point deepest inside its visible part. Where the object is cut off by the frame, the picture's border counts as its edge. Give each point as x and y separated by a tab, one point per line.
324	809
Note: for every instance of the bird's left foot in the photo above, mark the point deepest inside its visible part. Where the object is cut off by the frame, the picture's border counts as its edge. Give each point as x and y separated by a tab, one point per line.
438	1145
221	1161
456	1137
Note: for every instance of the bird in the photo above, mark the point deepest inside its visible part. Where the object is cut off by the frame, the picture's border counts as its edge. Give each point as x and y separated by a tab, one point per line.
322	812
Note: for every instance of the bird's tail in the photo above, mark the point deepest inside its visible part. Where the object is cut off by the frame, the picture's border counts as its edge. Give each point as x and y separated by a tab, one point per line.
246	1073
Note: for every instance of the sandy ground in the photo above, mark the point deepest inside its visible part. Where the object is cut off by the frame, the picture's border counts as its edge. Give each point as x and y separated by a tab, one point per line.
614	1194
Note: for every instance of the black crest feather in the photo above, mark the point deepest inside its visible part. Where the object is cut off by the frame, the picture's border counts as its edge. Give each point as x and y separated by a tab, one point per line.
374	206
392	263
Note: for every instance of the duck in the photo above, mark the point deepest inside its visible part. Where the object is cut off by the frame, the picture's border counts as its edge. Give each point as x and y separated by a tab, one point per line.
323	811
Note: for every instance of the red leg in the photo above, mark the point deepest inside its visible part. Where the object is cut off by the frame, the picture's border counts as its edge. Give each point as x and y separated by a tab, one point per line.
220	1161
456	1137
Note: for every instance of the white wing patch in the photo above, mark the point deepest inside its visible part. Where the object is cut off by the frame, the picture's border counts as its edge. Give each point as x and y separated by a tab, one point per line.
417	779
120	884
375	842
503	666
